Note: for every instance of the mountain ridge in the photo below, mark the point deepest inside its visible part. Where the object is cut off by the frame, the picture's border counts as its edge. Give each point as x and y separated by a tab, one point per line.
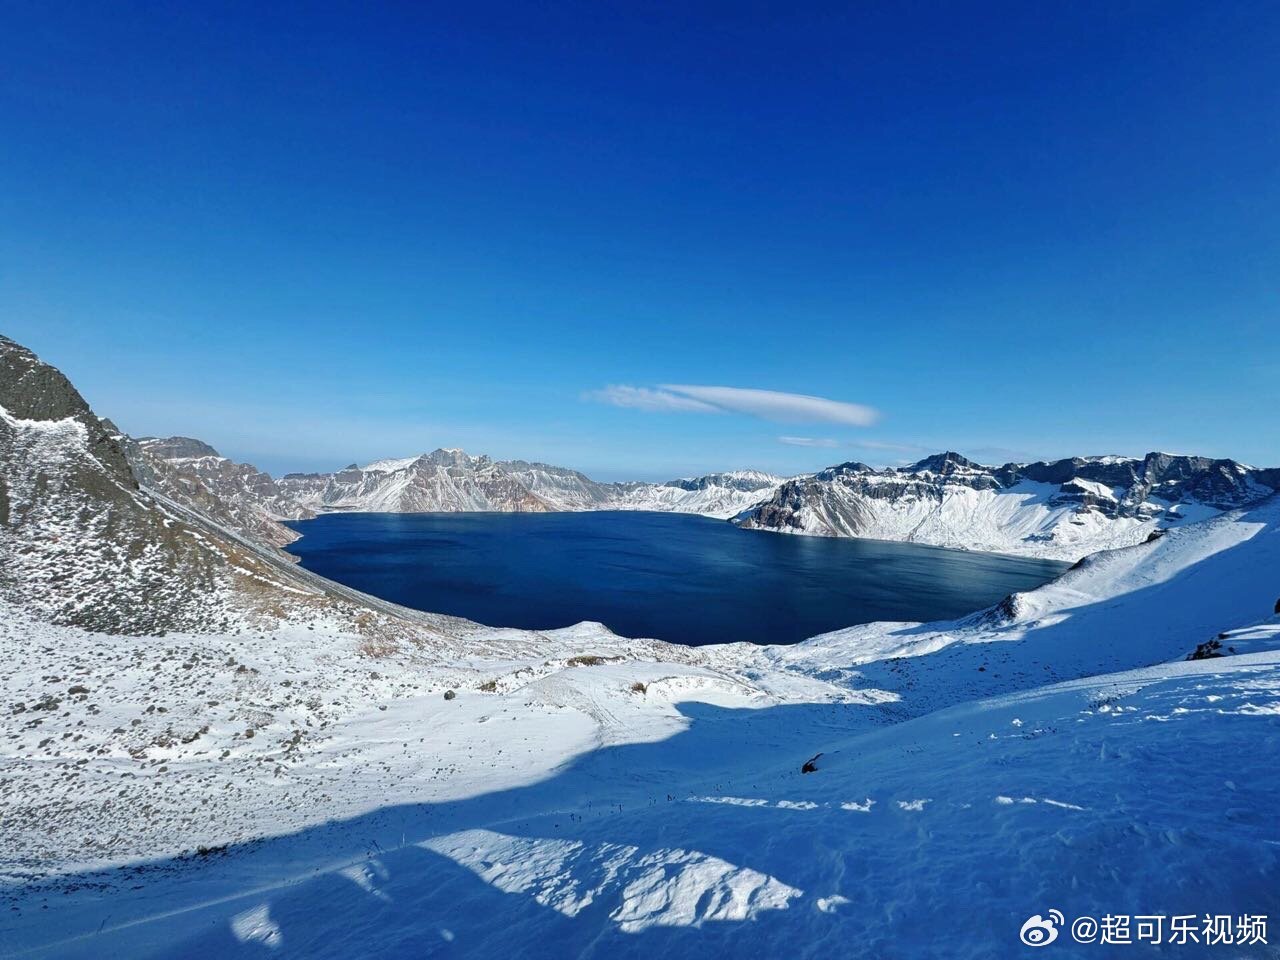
449	479
98	533
237	496
1062	509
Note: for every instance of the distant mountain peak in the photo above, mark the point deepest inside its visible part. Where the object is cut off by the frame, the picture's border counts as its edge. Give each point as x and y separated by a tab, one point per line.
177	448
943	463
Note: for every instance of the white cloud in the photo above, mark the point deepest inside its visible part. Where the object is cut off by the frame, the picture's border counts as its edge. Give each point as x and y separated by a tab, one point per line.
774	405
643	398
809	441
766	404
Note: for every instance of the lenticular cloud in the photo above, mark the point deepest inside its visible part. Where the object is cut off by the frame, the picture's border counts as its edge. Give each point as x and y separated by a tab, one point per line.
766	404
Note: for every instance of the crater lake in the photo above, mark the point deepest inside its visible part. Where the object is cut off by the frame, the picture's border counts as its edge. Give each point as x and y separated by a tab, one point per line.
677	577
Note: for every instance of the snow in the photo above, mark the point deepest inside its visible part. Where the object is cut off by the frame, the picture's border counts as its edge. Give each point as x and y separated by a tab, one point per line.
719	496
451	480
663	887
1099	490
1082	809
389	466
1012	509
1027	519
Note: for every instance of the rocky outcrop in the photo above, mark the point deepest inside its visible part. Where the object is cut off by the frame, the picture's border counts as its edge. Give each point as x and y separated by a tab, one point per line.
455	481
237	496
720	495
440	481
79	541
1063	509
95	534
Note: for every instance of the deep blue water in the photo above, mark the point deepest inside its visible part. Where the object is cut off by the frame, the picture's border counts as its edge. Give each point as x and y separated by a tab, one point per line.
681	578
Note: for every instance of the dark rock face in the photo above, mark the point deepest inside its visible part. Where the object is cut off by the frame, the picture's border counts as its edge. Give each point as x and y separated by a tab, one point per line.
1209	650
783	510
173	448
1223	484
31	390
945	464
79	543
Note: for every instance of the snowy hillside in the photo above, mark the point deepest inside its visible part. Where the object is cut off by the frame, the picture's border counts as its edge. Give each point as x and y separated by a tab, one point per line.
83	543
617	807
720	495
1062	510
1117	610
237	496
79	543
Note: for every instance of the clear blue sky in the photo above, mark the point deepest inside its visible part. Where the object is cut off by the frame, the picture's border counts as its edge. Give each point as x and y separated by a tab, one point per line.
312	234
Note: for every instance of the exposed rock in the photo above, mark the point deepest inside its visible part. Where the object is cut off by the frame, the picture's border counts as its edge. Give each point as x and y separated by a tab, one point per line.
237	496
1209	650
448	480
83	543
1064	509
79	542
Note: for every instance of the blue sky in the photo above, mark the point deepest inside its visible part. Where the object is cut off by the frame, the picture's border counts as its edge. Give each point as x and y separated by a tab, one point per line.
320	234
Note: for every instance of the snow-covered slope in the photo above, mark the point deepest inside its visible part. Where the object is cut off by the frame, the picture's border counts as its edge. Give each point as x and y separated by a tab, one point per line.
679	828
452	480
720	495
79	543
151	635
1062	510
83	543
237	496
560	487
1114	611
440	481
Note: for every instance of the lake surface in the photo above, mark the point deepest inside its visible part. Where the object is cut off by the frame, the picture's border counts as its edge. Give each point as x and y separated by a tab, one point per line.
676	577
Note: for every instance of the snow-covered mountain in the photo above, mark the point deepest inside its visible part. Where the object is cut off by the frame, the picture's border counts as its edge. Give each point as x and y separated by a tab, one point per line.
238	496
721	495
440	481
206	751
1065	509
79	543
453	480
1061	510
87	542
560	487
